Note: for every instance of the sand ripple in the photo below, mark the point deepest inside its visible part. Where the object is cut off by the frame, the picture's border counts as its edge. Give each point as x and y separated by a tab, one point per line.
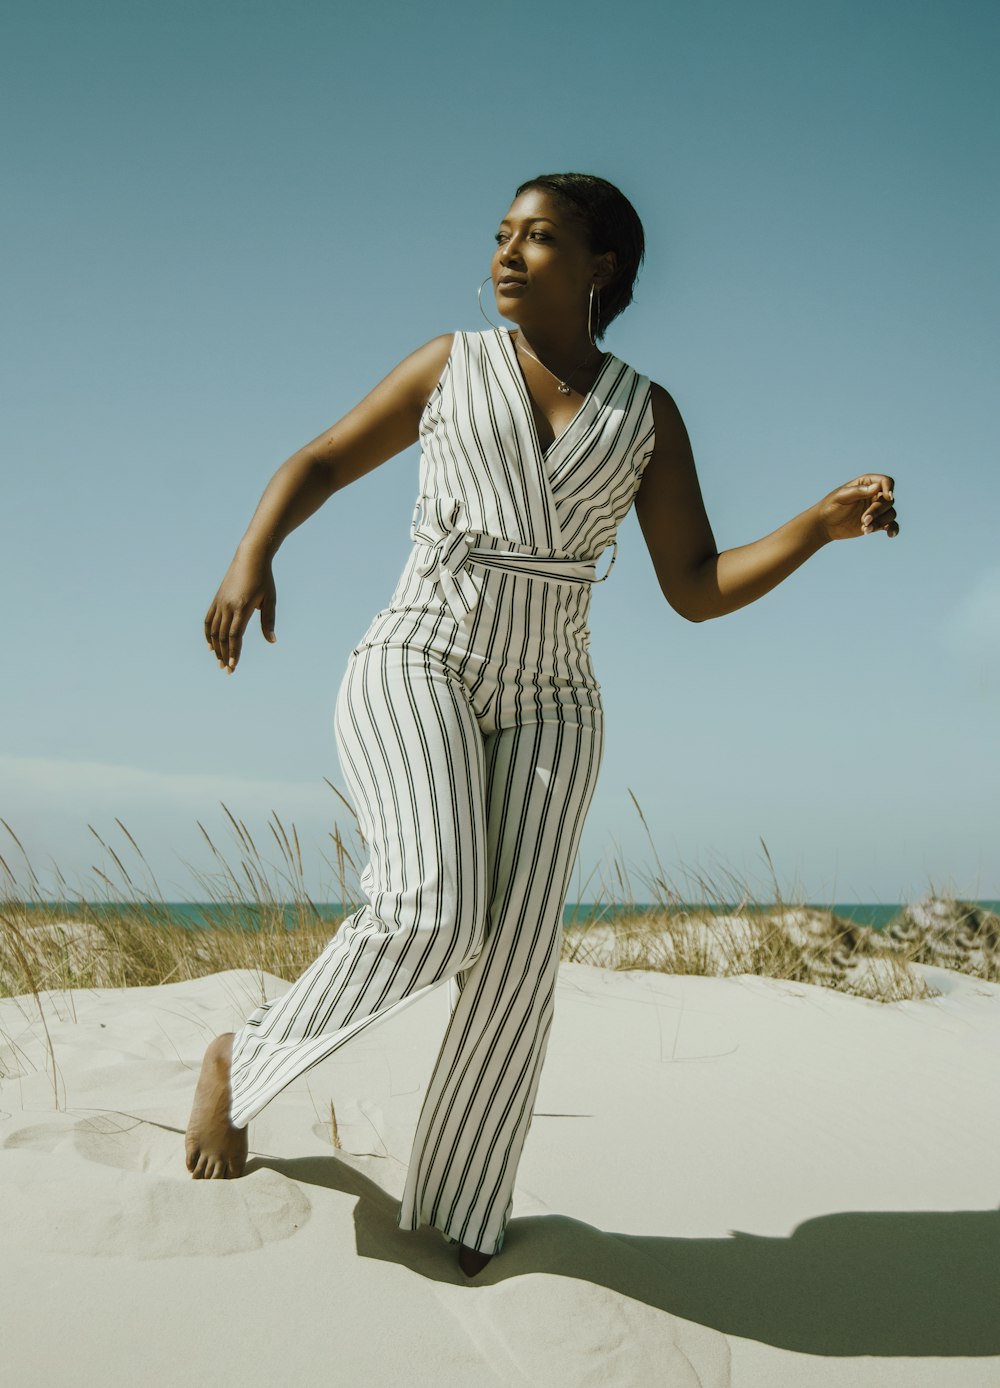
133	1197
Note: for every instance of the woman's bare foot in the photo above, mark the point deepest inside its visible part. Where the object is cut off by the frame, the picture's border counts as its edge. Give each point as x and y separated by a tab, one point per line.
213	1148
471	1261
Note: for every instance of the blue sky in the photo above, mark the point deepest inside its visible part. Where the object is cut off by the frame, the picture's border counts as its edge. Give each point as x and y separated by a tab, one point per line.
223	223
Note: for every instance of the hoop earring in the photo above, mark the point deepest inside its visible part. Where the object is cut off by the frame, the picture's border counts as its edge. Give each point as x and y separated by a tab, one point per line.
590	315
479	296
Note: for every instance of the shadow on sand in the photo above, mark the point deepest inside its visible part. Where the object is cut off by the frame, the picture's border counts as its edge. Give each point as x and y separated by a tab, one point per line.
885	1284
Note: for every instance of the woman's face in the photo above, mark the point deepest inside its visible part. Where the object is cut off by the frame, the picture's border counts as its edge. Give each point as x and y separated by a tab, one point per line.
543	267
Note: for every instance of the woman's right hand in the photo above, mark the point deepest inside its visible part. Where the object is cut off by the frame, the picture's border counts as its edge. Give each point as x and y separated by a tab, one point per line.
248	584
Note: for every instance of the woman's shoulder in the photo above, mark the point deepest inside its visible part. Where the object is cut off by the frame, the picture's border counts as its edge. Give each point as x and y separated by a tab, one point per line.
448	352
664	404
439	350
428	362
669	428
624	366
440	347
462	350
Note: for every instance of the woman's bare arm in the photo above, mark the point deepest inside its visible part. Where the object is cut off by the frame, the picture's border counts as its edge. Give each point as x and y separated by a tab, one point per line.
384	423
698	581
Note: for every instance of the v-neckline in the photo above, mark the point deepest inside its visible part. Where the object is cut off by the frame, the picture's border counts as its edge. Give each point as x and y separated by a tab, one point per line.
544	453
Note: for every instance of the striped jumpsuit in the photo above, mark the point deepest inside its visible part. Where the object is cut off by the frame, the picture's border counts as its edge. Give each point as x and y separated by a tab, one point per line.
470	732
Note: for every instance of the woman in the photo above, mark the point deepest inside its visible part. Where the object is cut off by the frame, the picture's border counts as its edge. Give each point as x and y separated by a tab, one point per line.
469	722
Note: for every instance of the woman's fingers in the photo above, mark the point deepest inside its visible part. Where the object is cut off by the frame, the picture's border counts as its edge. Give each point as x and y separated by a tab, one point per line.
880	516
859	507
222	633
886	523
883	519
212	631
876	482
249	584
234	640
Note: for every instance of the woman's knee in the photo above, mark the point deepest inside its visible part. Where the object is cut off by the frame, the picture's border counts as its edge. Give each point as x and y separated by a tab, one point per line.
449	932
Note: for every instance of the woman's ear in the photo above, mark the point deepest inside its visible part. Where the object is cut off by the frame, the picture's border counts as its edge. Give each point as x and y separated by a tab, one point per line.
605	268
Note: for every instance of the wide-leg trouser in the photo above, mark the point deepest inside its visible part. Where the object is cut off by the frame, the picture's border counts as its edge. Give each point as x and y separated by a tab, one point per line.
472	838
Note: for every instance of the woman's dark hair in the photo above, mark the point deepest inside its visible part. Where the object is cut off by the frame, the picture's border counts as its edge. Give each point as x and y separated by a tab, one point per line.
611	224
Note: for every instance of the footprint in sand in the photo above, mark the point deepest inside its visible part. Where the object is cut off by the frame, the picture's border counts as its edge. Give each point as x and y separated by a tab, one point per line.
130	1195
114	1139
45	1137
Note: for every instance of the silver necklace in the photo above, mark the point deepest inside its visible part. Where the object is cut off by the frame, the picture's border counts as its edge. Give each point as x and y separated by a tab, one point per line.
563	385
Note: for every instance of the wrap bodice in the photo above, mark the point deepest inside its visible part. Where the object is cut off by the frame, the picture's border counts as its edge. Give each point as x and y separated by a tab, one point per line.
491	494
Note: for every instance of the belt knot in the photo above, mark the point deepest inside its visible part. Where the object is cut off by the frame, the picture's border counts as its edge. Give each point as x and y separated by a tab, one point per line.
448	552
448	549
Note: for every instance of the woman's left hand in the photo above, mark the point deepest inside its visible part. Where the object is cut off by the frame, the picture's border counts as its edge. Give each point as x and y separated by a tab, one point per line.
859	508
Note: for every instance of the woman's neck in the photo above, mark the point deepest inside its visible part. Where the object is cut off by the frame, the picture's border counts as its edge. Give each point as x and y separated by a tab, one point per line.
567	350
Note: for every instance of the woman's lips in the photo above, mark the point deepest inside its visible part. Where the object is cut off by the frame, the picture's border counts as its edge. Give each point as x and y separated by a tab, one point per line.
508	286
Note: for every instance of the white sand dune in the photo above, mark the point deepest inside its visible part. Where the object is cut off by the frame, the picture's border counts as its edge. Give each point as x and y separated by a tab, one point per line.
728	1181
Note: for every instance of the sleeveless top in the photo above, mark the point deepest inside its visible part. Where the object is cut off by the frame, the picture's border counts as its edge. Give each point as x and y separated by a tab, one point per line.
491	494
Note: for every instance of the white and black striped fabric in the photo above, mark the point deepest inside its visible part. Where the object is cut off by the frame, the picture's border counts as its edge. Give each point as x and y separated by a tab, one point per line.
470	731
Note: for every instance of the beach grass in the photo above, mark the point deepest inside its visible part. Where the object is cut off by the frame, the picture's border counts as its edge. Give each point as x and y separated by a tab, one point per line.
264	921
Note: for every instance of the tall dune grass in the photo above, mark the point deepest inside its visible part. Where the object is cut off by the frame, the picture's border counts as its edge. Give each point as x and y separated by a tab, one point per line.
103	943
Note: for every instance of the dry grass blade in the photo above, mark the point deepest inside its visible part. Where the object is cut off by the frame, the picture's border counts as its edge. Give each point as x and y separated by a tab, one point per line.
19	946
142	858
108	849
35	884
237	826
334	1134
351	811
227	870
253	846
283	843
11	879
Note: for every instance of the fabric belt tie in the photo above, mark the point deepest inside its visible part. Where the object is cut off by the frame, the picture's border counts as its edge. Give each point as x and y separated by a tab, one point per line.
449	549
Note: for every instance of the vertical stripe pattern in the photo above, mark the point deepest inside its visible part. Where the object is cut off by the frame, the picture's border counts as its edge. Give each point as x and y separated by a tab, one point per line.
470	732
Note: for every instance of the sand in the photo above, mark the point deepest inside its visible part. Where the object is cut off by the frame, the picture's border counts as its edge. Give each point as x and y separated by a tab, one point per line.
728	1181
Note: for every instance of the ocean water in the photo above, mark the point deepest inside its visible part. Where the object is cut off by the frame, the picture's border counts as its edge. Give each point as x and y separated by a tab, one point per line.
203	915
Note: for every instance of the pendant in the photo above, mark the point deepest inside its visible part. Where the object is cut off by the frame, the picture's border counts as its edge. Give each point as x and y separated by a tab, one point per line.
563	388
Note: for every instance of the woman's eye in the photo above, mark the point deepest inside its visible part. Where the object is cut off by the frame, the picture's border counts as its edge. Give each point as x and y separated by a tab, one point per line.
500	236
